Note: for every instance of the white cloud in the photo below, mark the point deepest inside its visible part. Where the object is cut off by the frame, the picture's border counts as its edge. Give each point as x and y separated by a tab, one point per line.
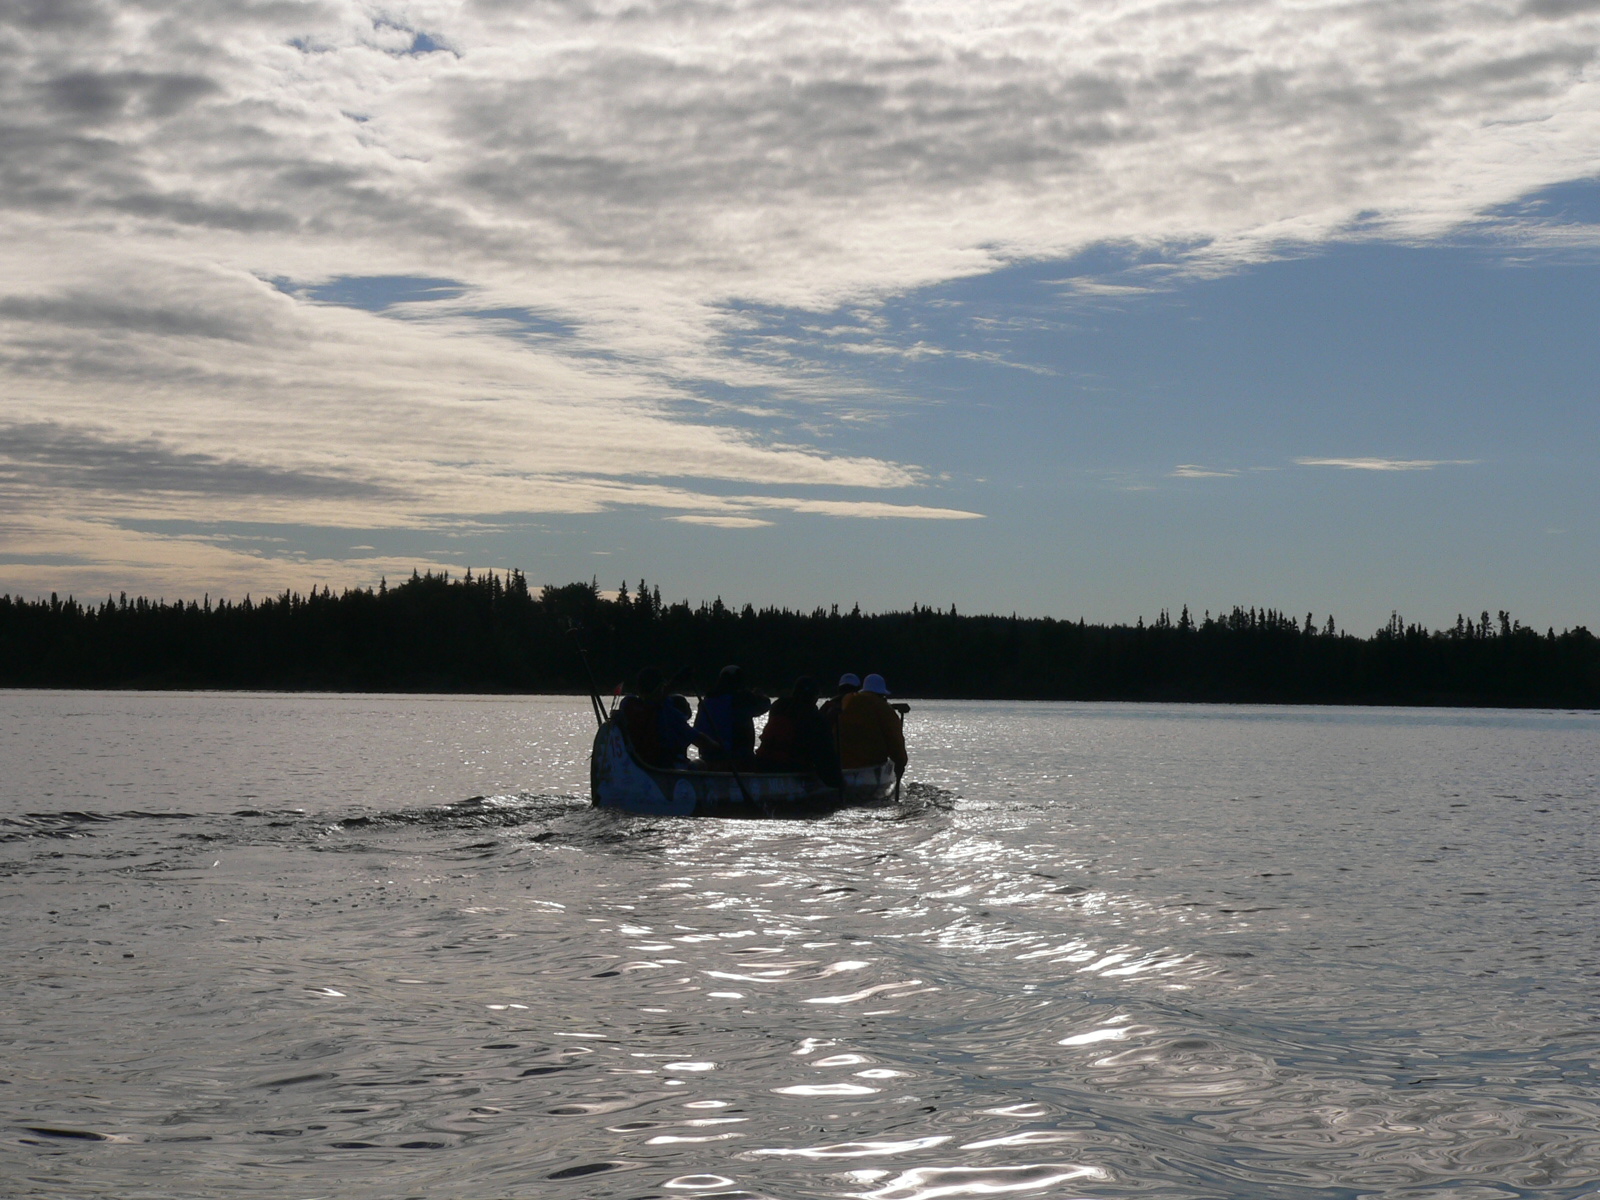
1094	287
1192	471
640	171
721	522
663	497
859	508
1387	464
91	559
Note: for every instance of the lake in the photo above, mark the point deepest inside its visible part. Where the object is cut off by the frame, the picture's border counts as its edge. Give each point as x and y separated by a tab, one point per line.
381	946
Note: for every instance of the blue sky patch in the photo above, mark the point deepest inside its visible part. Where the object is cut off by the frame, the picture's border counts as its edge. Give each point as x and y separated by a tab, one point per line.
421	43
375	293
1576	202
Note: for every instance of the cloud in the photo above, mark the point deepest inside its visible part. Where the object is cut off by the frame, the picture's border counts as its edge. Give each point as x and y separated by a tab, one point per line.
1093	287
624	494
1560	8
783	152
877	509
569	209
49	552
87	311
325	401
720	522
1191	471
49	455
101	96
1386	464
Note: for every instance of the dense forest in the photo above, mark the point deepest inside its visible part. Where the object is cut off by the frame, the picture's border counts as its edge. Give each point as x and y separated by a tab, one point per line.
491	633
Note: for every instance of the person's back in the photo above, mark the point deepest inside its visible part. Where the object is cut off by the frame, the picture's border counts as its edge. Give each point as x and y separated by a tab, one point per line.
796	738
780	738
833	705
641	723
677	734
728	715
869	729
814	743
657	725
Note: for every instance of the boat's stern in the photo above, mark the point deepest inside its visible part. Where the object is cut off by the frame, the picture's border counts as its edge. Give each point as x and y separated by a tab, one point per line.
617	780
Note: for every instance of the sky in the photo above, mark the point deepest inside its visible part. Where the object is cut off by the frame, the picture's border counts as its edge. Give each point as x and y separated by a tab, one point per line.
1072	309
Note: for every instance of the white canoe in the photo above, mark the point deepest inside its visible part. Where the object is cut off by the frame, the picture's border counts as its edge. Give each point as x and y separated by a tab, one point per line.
617	779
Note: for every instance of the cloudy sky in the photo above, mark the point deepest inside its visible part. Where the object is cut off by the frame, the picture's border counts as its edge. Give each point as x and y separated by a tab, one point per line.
1076	308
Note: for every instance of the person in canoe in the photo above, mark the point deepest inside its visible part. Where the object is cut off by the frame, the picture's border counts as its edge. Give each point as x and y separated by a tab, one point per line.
679	703
728	717
870	728
659	731
797	739
848	683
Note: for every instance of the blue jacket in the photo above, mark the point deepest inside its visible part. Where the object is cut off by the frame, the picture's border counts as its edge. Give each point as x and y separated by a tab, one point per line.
729	717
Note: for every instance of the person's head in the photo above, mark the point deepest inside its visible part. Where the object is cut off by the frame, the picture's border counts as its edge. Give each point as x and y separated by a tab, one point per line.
681	703
648	681
805	690
729	679
849	682
875	684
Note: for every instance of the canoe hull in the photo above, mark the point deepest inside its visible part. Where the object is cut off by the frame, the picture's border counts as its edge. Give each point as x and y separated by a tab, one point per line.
619	780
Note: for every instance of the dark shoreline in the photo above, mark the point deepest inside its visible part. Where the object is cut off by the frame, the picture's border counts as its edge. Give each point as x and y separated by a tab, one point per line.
482	693
490	694
490	635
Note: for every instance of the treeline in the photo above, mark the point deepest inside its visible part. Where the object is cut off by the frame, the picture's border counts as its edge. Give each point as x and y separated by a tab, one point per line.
490	633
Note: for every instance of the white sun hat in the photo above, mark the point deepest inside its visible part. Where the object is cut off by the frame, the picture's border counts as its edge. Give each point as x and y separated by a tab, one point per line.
875	683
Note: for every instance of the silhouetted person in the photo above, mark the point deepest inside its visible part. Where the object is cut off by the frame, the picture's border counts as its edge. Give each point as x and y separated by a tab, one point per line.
832	706
727	715
679	704
659	731
796	738
869	728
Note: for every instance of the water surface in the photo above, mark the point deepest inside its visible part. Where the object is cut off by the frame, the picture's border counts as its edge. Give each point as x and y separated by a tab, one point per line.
381	946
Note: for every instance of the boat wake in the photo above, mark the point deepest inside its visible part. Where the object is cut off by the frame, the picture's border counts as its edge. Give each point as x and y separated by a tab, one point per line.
475	812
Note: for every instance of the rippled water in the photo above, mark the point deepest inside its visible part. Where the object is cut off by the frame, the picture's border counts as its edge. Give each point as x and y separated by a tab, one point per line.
311	946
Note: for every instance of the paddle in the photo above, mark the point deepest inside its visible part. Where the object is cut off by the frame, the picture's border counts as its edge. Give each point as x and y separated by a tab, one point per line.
900	710
576	631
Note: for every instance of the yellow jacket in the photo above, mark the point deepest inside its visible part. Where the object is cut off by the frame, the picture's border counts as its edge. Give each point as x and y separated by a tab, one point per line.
869	732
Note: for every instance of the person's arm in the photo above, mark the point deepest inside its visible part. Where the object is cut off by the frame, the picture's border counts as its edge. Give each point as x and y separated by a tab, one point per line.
701	732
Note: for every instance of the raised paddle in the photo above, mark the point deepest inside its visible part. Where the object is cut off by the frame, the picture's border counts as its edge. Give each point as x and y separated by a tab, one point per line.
576	631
